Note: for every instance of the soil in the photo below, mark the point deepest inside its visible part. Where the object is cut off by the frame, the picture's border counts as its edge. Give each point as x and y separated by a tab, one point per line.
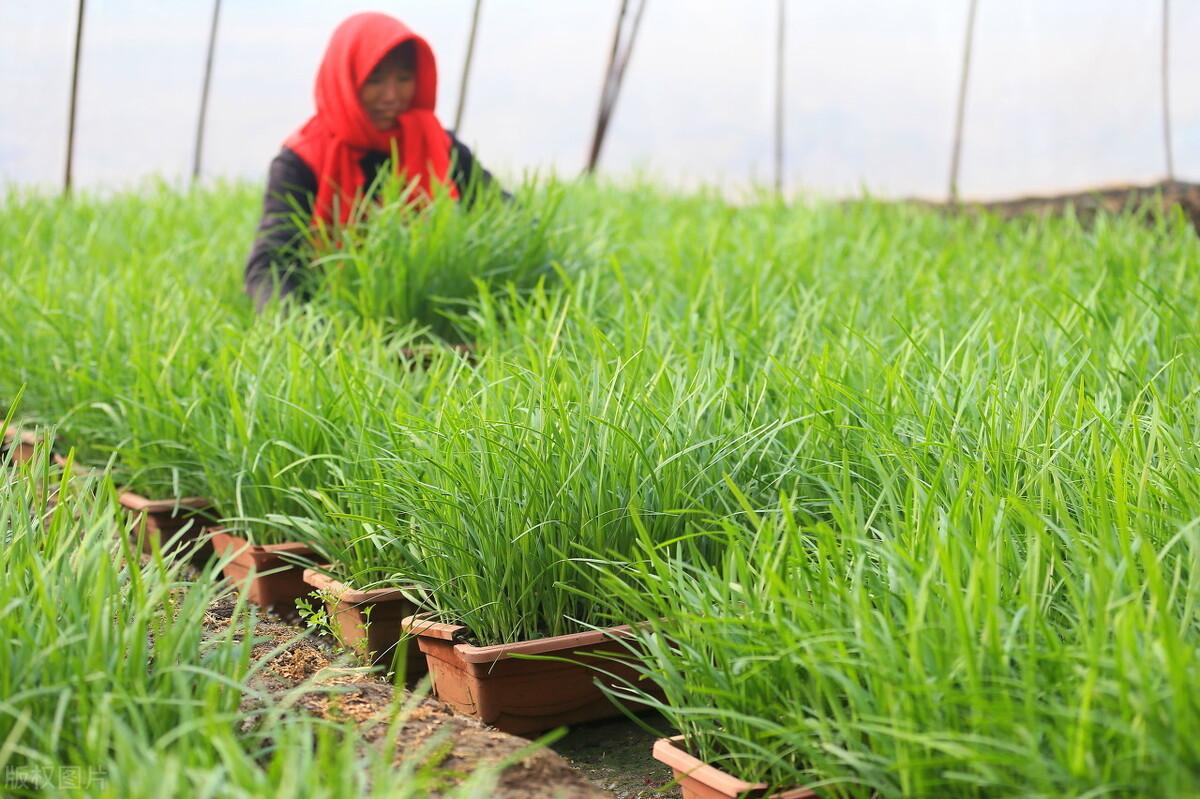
616	756
609	759
1111	199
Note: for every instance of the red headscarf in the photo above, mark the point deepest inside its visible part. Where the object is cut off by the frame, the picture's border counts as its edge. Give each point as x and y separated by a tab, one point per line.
332	142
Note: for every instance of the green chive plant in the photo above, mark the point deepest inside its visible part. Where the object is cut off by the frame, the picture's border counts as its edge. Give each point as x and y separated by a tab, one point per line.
984	582
996	647
111	311
408	262
495	493
290	414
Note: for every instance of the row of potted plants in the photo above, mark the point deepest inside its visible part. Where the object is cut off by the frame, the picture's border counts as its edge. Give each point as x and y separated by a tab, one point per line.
160	700
496	684
465	674
522	687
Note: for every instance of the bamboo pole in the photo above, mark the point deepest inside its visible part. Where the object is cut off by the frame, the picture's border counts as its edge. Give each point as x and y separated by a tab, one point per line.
74	99
625	55
960	112
1166	89
780	41
614	77
466	70
606	87
208	63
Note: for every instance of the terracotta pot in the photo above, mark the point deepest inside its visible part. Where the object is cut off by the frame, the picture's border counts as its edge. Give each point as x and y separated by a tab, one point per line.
164	519
369	622
19	444
702	781
523	696
20	447
277	582
421	356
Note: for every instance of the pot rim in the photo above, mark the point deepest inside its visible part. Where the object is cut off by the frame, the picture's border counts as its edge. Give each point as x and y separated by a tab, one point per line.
351	596
224	535
423	627
134	501
20	436
77	469
671	752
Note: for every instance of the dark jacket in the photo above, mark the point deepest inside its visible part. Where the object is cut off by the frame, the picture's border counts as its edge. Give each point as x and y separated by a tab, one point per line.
277	259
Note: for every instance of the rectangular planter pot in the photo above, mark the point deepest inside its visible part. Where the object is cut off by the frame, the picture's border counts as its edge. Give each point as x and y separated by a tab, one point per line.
522	696
20	445
165	518
278	590
698	780
369	622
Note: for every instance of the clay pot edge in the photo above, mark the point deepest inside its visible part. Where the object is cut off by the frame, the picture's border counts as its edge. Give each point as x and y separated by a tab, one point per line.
351	596
228	539
422	626
670	752
490	654
77	469
25	437
133	501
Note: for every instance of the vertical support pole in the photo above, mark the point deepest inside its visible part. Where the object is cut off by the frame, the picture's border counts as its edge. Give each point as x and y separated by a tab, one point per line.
606	88
1166	89
960	113
208	63
614	78
466	70
74	99
780	41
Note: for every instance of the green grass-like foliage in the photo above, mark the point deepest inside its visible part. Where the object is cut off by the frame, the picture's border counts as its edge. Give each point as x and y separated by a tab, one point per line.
111	687
111	310
409	262
994	649
980	579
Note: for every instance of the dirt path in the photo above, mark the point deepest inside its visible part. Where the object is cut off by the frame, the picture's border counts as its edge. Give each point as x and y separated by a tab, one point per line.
616	756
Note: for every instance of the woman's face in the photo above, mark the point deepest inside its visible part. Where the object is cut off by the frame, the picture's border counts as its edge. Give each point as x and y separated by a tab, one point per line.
388	91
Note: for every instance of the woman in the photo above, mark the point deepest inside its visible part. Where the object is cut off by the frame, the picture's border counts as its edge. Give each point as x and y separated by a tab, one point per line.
376	91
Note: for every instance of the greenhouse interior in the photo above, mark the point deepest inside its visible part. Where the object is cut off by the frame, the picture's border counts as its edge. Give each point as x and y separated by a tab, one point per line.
614	398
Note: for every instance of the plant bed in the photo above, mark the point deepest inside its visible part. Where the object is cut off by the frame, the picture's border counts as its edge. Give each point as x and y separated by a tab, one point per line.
698	780
369	622
171	523
498	686
265	573
20	445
